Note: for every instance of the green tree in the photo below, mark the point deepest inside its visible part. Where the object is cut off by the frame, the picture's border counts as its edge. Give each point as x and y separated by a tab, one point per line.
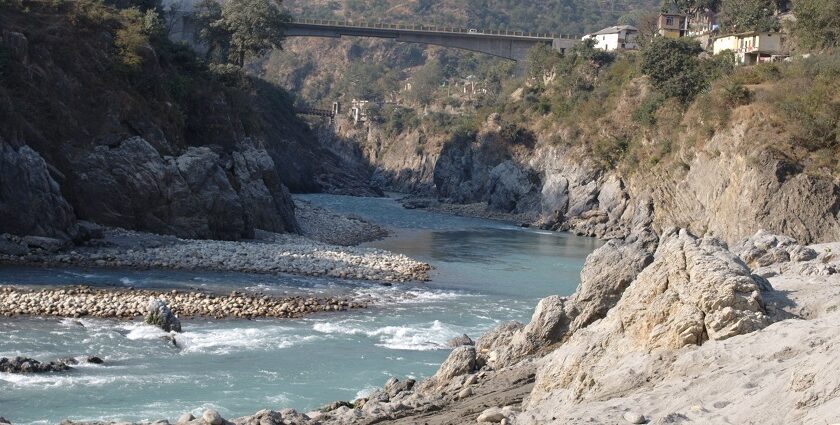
361	81
690	7
817	23
211	30
143	5
749	15
542	59
255	27
426	82
674	68
133	36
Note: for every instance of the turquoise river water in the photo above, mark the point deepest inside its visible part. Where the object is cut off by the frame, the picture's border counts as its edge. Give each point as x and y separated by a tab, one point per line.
486	272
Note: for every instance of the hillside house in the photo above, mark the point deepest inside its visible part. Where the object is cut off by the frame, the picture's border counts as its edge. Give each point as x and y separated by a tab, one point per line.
703	22
358	110
622	37
752	47
672	25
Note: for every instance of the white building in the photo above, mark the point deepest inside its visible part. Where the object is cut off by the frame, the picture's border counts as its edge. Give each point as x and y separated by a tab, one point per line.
621	37
752	47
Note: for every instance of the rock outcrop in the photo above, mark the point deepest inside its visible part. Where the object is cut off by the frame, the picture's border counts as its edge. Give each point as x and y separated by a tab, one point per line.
765	249
695	290
31	202
605	276
27	365
728	381
687	340
461	361
198	194
158	314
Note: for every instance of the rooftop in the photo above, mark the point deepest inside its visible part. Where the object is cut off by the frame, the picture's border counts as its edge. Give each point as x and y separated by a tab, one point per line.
615	29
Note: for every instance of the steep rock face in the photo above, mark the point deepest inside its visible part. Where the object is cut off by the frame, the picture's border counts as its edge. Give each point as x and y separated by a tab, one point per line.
194	195
577	197
30	200
512	189
265	199
404	162
734	186
693	291
216	151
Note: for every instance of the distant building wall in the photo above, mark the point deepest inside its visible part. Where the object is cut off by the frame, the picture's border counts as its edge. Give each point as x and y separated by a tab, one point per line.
751	48
619	40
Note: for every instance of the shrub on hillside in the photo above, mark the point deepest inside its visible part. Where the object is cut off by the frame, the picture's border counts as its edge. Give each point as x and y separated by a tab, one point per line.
399	120
135	34
674	68
749	15
91	13
817	23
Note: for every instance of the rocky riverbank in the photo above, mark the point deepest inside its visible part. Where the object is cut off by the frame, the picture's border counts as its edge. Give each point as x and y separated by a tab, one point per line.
133	303
328	227
477	210
669	329
269	253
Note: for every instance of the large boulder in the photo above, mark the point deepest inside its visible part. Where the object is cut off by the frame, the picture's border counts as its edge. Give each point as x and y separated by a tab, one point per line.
607	272
158	314
31	202
461	361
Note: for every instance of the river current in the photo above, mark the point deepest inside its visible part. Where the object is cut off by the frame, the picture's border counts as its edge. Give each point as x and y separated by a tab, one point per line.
486	272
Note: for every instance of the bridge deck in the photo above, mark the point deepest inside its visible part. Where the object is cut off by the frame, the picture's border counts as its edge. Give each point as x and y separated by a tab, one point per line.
382	28
316	112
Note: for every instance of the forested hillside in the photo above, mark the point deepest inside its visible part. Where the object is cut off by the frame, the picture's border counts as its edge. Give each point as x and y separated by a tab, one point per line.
322	70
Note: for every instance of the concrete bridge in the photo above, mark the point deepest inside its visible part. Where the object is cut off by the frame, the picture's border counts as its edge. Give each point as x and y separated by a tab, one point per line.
513	45
504	44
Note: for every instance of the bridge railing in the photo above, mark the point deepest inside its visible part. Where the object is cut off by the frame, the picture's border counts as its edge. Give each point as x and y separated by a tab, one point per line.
429	28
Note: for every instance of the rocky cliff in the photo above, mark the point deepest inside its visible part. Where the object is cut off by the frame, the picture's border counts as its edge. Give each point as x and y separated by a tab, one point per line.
730	185
166	145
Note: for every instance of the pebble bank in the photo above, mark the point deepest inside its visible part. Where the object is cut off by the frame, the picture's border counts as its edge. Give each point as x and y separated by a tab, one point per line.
270	253
130	303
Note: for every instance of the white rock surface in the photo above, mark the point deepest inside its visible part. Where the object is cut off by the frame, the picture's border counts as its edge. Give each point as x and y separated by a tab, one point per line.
212	417
695	290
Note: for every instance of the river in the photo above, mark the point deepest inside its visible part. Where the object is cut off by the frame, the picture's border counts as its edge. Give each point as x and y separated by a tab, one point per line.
486	272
